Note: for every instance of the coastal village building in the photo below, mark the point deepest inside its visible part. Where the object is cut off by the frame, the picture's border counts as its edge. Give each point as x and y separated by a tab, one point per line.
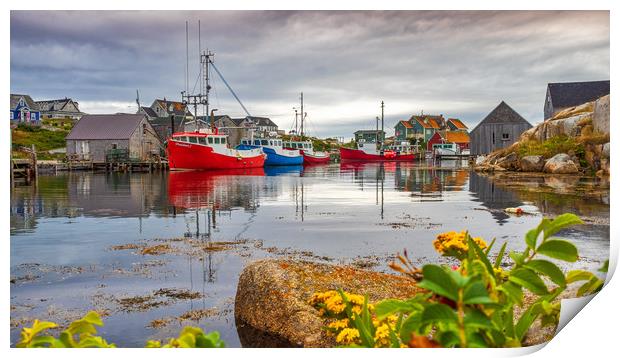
570	94
97	136
403	131
264	126
64	108
460	138
454	124
497	130
165	108
369	135
24	110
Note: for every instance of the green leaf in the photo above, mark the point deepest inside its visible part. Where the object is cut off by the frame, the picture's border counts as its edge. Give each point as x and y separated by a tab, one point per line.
391	306
476	340
513	292
500	256
578	275
531	237
592	286
605	267
528	279
439	281
561	222
410	325
525	322
477	319
488	249
481	255
517	258
476	293
438	312
448	339
558	249
548	269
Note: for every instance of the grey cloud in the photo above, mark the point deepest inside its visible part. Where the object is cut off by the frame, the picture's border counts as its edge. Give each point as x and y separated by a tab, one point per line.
461	64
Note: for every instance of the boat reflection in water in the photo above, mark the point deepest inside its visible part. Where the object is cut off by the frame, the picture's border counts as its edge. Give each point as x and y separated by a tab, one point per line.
290	170
218	188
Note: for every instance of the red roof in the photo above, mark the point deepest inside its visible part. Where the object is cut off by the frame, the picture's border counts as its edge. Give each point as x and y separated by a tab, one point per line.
406	124
457	137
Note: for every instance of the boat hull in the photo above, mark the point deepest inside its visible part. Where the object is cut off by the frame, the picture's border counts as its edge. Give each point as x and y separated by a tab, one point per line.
347	154
188	156
315	159
274	158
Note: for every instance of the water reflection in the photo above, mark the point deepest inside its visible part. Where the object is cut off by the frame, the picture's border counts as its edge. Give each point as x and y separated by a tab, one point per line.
340	212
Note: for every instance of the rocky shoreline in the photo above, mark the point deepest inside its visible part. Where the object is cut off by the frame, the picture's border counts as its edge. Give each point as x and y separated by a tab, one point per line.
574	141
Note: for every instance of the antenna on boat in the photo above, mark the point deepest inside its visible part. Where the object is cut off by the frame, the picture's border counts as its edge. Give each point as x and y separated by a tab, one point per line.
302	116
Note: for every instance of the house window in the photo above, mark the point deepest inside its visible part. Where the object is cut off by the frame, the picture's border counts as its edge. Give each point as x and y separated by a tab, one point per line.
493	137
505	136
114	145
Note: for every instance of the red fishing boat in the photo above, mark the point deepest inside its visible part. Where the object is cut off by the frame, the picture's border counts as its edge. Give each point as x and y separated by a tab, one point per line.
307	150
370	153
206	149
375	151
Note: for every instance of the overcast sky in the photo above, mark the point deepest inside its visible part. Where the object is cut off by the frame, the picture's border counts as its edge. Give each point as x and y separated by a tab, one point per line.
459	64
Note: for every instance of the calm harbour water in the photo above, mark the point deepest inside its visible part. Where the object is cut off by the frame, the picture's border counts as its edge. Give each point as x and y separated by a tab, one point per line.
64	229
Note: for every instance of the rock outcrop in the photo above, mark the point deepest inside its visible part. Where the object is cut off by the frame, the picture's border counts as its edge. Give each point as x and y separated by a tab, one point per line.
532	163
588	124
271	306
561	164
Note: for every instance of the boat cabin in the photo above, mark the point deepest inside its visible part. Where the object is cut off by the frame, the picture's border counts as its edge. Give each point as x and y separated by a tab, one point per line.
201	138
298	145
262	142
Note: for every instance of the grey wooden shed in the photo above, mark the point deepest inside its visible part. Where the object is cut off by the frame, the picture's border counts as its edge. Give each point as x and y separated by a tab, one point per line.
497	130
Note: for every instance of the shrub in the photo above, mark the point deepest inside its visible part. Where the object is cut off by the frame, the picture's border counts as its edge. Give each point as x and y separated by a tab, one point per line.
471	304
551	147
82	334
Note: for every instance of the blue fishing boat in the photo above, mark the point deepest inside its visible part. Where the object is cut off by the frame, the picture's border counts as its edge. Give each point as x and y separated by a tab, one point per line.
276	154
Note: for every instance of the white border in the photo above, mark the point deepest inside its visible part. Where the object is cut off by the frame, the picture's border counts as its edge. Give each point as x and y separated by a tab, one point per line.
591	332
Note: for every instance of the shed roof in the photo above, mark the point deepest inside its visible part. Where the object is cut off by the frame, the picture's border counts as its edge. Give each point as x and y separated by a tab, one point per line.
362	131
503	113
106	126
570	94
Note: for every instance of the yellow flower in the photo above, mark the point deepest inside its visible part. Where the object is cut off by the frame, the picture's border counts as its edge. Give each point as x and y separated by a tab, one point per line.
382	336
339	324
348	336
455	243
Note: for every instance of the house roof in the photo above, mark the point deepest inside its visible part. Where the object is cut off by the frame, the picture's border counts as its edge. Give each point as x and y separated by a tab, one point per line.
262	121
173	107
362	131
433	122
570	94
149	111
15	100
421	121
105	126
405	124
457	123
56	104
457	137
503	113
239	121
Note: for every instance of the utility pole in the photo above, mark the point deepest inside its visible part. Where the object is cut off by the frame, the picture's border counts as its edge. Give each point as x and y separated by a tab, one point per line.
377	133
295	121
382	139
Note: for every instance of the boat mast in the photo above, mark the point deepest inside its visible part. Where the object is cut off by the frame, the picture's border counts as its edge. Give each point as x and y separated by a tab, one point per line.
302	116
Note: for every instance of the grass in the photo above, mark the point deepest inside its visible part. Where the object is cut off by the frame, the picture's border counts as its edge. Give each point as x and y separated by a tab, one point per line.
551	147
43	139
